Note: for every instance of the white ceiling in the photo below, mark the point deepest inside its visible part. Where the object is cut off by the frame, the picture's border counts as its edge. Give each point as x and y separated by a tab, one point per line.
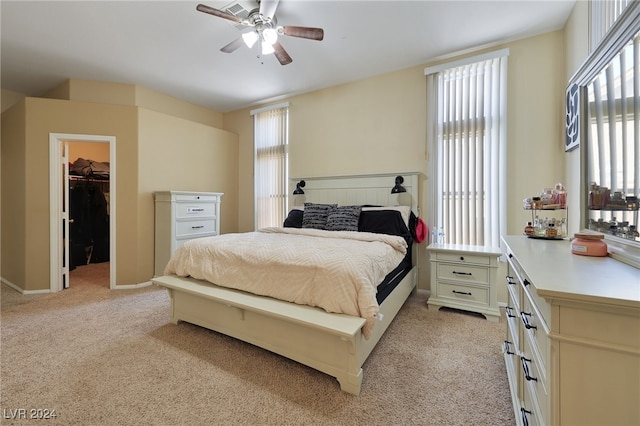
169	47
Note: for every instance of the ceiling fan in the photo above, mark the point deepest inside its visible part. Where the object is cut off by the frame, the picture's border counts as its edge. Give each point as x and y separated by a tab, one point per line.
264	28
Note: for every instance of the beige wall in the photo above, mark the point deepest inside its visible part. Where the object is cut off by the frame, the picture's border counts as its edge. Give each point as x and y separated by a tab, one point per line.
129	94
13	193
96	151
40	117
10	98
177	154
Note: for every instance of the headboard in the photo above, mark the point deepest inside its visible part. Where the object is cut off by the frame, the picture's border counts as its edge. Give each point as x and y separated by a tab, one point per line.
373	189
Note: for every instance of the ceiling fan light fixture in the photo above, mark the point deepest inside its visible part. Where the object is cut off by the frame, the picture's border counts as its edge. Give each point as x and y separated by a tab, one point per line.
270	35
250	38
267	48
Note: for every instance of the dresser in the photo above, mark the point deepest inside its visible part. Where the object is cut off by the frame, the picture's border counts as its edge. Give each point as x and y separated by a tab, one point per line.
181	216
572	341
464	277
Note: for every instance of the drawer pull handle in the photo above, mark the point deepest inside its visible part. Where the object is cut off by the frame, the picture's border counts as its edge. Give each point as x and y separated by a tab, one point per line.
510	280
196	209
526	282
462	273
525	368
525	419
197	227
461	292
507	348
509	311
525	321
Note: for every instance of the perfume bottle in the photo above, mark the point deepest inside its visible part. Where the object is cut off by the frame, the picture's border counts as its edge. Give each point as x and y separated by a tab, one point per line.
528	230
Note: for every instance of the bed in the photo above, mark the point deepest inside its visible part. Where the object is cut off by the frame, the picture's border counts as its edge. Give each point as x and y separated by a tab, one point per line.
335	343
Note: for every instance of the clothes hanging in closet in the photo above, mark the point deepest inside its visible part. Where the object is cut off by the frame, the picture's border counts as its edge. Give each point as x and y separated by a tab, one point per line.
88	221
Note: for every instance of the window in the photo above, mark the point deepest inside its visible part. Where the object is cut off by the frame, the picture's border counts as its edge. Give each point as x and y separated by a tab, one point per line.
467	133
271	136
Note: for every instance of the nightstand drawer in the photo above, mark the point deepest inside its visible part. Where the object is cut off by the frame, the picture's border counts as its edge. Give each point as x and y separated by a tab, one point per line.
193	228
463	258
188	210
470	295
466	273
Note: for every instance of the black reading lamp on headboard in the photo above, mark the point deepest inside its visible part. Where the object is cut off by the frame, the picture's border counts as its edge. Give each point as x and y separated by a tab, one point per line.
299	186
398	188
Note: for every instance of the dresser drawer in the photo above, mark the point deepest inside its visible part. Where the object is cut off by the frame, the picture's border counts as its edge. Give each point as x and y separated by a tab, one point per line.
529	414
470	295
466	273
535	335
188	210
196	197
514	324
463	258
534	381
194	228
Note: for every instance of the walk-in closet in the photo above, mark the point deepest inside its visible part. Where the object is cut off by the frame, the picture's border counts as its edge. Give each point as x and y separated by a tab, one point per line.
88	183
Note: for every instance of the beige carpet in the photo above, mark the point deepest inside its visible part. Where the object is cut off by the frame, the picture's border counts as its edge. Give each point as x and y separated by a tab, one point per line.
107	357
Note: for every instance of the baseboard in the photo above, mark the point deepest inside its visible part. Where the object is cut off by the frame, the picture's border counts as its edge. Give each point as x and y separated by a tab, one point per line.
21	290
132	286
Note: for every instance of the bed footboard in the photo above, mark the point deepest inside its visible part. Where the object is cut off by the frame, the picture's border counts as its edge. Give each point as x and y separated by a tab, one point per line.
331	343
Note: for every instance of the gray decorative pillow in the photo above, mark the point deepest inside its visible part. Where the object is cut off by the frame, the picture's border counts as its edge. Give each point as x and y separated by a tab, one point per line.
344	218
315	215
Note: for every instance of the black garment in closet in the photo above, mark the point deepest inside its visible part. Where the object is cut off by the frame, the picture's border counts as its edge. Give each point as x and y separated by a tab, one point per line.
89	222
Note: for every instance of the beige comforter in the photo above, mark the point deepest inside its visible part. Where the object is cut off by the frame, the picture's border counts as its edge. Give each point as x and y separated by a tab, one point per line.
334	270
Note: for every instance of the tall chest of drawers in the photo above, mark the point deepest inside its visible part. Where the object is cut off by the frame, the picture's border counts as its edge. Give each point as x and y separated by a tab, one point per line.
181	216
464	277
572	341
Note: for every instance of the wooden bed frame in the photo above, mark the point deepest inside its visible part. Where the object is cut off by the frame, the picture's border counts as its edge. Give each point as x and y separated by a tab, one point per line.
331	343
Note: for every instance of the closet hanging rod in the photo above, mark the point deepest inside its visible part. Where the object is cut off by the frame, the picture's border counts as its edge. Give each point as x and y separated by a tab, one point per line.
87	179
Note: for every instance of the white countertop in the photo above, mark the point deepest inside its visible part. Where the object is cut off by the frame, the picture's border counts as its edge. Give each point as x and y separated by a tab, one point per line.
463	248
557	273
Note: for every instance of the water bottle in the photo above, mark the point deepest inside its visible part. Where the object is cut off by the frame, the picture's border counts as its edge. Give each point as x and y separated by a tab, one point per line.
440	235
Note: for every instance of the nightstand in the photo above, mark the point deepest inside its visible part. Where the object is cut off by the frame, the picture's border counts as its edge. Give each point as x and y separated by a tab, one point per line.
464	277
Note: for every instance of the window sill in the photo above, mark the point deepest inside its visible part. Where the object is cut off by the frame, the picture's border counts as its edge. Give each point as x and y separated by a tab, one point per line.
624	251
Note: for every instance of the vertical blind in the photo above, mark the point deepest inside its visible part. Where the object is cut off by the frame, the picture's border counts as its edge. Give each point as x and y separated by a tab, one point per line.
271	166
603	15
467	128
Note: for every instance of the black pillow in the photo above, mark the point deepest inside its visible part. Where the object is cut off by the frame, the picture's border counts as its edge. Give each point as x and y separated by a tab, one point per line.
294	219
315	215
383	222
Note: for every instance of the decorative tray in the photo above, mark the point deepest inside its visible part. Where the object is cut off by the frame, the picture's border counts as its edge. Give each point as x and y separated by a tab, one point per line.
540	237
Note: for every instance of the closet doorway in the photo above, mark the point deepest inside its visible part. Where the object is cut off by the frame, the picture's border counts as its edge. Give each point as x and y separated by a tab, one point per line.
82	206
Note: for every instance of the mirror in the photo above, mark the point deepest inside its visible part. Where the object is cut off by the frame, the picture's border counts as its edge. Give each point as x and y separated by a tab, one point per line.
603	109
613	146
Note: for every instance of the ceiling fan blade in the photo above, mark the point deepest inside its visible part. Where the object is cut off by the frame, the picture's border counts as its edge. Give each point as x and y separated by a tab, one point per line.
281	54
215	12
304	32
233	46
268	8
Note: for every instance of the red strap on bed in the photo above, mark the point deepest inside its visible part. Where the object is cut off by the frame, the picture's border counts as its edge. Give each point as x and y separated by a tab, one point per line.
421	231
